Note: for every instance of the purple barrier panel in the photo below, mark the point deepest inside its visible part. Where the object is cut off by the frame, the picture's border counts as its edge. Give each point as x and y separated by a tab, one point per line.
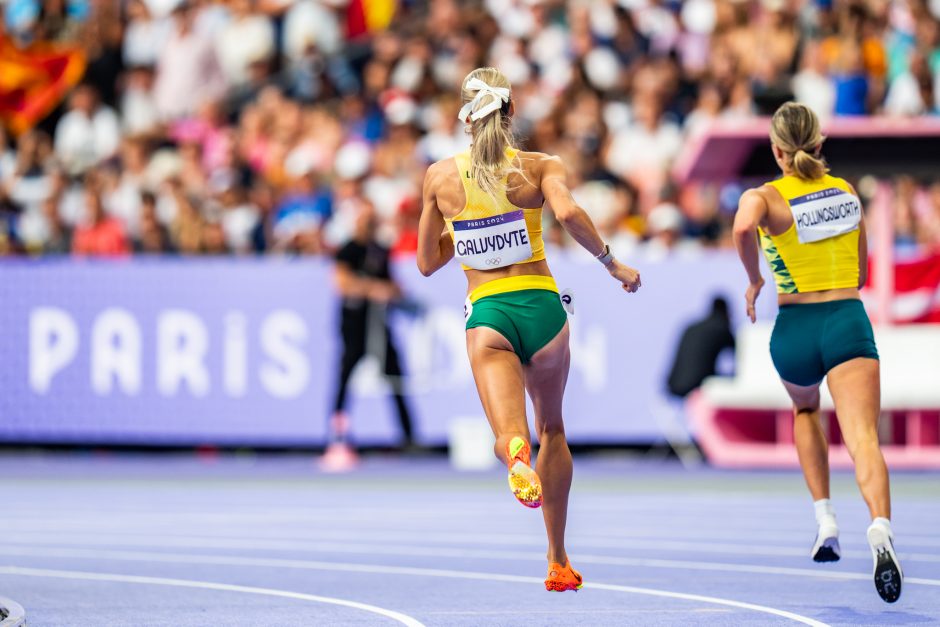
164	351
170	351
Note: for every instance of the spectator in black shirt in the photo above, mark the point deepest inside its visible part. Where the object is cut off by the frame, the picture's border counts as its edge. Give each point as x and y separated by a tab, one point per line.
699	347
367	289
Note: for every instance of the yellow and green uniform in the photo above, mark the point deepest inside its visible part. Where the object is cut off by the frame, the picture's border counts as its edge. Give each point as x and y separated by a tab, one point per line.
490	232
818	252
828	263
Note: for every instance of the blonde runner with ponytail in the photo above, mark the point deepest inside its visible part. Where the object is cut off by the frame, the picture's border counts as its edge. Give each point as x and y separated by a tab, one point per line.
486	95
811	228
796	132
516	320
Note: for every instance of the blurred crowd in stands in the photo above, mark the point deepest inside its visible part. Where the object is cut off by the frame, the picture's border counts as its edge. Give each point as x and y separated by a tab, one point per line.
257	126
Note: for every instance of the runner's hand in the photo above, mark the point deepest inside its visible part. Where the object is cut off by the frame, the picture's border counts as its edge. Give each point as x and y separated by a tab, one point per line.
750	296
629	277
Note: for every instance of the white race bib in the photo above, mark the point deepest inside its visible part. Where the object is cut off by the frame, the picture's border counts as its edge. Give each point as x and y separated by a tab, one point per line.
824	214
494	242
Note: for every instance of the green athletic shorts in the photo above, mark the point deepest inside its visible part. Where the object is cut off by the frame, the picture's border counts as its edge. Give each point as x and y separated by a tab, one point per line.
811	339
529	319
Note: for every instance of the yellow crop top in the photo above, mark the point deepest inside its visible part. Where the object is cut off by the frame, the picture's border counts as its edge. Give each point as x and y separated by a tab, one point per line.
490	232
820	249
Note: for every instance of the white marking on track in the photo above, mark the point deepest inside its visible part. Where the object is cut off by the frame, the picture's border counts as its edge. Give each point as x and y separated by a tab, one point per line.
439	551
286	542
206	585
309	519
377	569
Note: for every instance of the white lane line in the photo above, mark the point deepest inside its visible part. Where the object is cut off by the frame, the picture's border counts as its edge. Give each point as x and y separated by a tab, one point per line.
281	542
228	560
756	532
698	538
206	585
398	550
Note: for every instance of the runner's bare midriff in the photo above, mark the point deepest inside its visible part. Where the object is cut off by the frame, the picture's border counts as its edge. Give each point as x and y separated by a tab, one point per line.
823	296
476	278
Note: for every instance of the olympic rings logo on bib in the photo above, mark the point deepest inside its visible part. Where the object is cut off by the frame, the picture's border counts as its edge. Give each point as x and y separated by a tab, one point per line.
475	241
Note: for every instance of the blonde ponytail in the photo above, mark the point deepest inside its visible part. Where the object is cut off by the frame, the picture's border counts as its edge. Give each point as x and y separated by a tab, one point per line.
491	133
796	132
808	167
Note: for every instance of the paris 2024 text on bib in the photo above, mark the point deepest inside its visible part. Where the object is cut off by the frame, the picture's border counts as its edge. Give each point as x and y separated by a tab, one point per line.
824	214
493	242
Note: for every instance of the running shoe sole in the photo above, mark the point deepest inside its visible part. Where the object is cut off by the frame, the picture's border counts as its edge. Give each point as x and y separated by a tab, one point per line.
525	485
523	481
888	576
828	551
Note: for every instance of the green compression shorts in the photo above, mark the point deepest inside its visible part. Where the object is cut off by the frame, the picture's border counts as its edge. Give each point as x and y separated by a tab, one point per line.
811	339
529	319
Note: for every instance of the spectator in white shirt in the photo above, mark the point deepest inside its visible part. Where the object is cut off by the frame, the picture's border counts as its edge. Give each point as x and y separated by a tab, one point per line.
308	23
642	151
910	92
89	133
188	72
247	39
144	36
812	85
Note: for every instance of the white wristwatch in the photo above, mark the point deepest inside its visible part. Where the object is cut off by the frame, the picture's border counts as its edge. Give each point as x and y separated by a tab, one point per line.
606	257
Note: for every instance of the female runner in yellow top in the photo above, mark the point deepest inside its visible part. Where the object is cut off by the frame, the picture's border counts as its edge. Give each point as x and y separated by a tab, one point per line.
484	207
812	231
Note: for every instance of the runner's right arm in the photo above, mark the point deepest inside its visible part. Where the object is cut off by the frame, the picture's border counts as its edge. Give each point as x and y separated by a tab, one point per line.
435	245
751	210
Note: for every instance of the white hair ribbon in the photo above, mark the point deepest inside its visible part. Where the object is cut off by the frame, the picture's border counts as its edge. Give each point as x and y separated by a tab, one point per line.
499	96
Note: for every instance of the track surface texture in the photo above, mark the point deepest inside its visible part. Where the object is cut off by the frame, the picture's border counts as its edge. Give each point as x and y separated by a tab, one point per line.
118	539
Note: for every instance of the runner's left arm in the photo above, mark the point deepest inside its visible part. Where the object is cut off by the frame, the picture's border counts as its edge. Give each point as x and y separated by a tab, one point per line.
578	224
435	245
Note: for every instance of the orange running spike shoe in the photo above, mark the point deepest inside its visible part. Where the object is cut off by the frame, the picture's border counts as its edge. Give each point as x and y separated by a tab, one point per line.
562	578
523	481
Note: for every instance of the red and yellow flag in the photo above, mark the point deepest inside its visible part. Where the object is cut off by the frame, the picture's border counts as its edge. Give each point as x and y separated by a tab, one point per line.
367	16
34	79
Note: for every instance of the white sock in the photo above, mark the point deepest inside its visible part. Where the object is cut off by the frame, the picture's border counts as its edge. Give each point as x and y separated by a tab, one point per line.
885	523
824	511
